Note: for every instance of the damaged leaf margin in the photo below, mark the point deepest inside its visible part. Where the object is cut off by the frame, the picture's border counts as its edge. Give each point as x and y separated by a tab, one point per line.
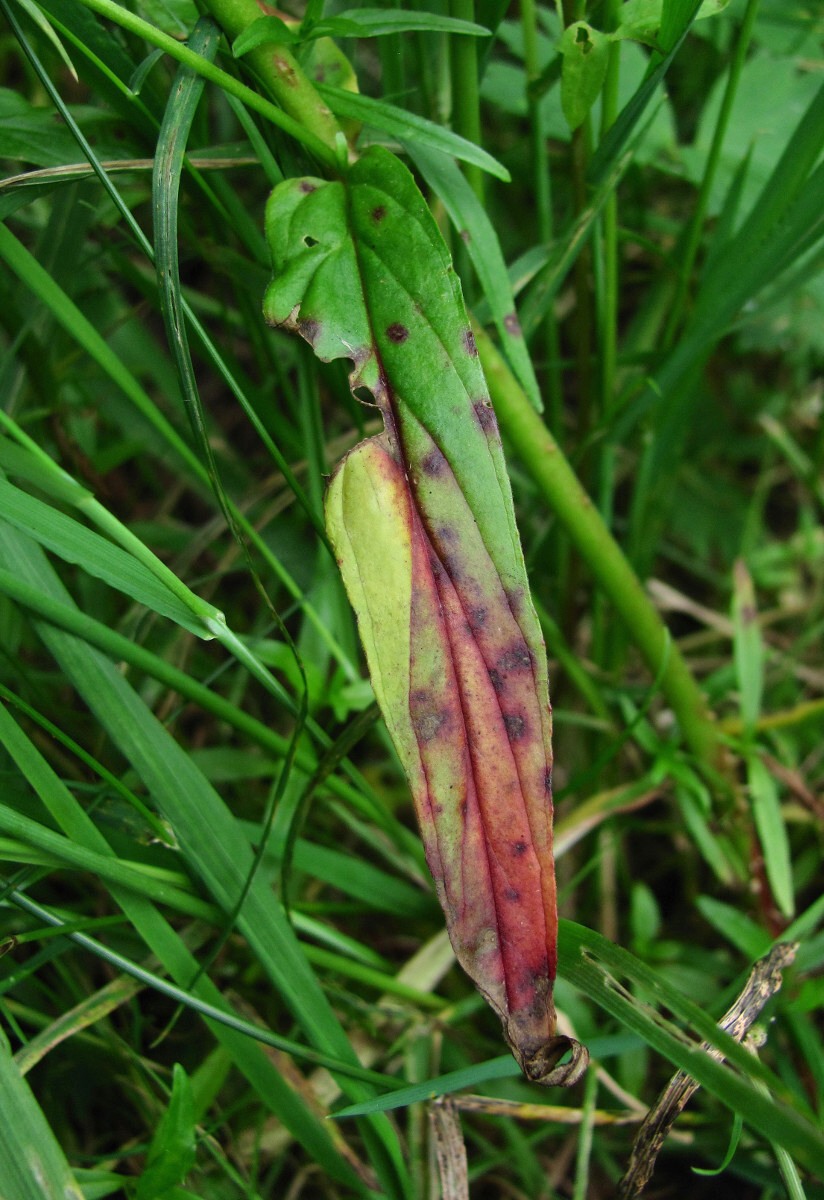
423	526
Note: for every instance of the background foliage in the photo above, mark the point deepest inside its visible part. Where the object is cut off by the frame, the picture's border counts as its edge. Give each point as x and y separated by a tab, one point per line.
212	890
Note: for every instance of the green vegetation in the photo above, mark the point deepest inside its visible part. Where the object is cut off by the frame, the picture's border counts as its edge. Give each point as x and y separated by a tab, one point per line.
217	928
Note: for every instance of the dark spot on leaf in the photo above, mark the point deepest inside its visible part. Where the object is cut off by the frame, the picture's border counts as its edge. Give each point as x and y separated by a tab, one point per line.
486	416
436	567
478	617
516	658
468	338
519	848
548	780
434	462
309	328
495	680
515	597
513	894
397	333
466	236
749	614
379	213
515	726
512	324
427	719
306	187
463	809
437	809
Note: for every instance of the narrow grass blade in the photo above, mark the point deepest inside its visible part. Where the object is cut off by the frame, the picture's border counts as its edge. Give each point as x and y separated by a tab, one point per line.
775	1118
209	837
76	544
619	133
772	834
235	1034
32	1163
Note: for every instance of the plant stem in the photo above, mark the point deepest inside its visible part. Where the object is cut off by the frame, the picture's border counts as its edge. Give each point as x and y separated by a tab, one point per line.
543	207
608	314
603	639
574	509
320	147
466	104
278	71
696	224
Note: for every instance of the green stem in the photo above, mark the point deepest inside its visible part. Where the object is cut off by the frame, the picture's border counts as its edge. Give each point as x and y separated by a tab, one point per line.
572	506
543	206
319	146
279	72
696	224
603	640
466	102
609	300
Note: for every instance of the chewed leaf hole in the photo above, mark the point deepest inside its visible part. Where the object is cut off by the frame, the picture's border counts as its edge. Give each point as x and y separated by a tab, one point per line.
364	396
309	240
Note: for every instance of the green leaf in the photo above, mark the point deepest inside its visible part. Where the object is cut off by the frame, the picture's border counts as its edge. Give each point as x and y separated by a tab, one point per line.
738	929
215	846
748	647
676	18
586	54
32	1162
619	133
74	543
641	19
32	135
34	13
378	22
422	521
454	1081
264	31
408	127
772	833
172	1152
471	221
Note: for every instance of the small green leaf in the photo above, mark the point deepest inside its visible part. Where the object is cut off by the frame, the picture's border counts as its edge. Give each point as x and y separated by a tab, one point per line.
586	53
772	833
735	1137
645	915
264	31
748	647
172	1152
738	929
641	19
